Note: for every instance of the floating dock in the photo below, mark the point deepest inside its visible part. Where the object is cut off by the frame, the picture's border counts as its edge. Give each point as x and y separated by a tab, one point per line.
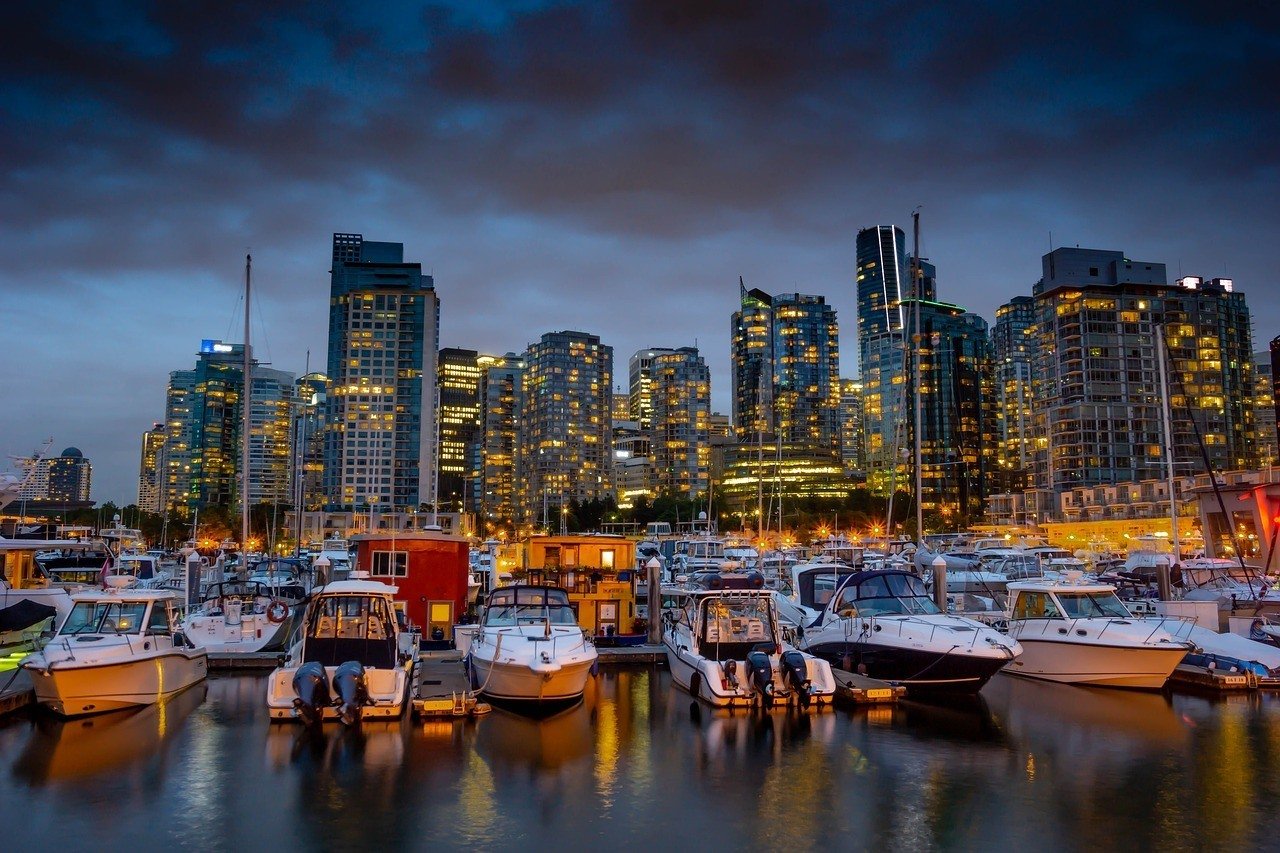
233	661
1203	678
860	690
441	688
16	691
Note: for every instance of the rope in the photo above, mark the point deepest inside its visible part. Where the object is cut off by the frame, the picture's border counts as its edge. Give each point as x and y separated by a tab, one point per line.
496	649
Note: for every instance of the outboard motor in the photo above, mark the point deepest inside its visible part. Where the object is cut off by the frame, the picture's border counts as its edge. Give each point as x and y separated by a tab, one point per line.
351	690
796	673
760	674
312	688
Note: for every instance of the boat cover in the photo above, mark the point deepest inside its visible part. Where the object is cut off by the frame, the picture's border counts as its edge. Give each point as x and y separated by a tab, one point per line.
24	614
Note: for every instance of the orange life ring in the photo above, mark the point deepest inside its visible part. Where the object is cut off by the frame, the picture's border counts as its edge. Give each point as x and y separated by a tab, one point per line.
277	611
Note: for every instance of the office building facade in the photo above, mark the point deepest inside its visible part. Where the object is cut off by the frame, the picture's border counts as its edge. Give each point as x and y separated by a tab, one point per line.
496	485
459	377
149	468
1013	341
680	444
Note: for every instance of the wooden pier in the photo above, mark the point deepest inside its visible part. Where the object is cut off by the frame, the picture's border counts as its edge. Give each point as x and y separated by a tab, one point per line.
16	691
441	688
858	689
243	661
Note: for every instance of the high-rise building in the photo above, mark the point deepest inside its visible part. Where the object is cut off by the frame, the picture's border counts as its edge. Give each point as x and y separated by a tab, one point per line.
852	437
149	469
640	375
64	479
271	409
310	393
883	281
384	324
680	395
498	478
1264	400
566	423
459	378
786	368
1097	398
202	425
1013	337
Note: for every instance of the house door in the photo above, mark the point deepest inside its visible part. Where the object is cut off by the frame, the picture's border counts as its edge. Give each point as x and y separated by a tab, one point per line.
608	621
439	615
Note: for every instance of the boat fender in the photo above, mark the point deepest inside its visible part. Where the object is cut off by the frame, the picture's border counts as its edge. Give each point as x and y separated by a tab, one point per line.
695	684
595	667
277	612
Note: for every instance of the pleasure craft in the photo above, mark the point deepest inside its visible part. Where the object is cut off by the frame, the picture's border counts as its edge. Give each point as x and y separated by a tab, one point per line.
144	569
702	553
1079	632
239	617
338	553
116	649
350	661
725	647
885	621
285	579
813	584
22	578
530	648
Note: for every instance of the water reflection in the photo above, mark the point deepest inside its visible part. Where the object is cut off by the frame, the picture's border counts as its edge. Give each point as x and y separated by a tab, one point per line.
638	762
125	744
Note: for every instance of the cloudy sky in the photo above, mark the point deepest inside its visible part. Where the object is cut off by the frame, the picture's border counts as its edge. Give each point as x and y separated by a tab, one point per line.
610	167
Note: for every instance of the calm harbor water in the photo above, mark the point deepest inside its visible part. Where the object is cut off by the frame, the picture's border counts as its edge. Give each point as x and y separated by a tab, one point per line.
1047	766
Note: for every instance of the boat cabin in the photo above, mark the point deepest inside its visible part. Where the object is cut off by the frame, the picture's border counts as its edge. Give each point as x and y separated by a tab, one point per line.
429	570
887	592
528	605
351	620
730	625
1065	601
814	586
116	613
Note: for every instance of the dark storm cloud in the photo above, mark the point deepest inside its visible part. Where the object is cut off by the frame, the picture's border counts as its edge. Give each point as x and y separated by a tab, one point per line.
611	167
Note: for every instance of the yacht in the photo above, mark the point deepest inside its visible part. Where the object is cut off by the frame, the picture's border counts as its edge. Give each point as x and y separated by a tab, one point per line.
239	617
885	621
701	553
814	583
530	648
725	647
116	649
1079	632
23	578
349	648
338	552
144	570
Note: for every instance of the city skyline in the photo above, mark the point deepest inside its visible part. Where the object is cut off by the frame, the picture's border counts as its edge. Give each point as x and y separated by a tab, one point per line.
620	193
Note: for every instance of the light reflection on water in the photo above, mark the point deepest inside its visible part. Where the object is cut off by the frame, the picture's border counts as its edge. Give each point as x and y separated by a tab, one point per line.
639	763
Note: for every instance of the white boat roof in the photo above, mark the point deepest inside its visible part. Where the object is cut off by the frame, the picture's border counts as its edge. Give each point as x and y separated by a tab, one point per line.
356	587
1051	585
47	544
125	594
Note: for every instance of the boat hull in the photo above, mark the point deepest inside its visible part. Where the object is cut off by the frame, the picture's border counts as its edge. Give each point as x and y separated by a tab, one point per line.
702	679
73	690
919	670
1133	667
516	682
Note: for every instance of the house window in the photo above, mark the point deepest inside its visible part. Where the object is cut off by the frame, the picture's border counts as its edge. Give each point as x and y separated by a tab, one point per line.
390	564
606	559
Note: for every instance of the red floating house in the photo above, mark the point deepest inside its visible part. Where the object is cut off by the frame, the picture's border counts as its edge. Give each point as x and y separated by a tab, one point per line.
429	569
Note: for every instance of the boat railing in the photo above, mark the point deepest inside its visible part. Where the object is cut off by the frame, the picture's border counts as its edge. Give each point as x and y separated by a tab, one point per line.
871	624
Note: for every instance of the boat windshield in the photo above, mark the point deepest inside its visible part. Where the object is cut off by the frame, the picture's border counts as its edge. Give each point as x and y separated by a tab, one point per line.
142	569
529	606
886	595
1089	605
744	622
351	617
104	617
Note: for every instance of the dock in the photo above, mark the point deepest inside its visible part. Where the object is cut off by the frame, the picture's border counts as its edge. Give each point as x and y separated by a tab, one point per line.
619	655
16	691
243	661
856	689
1204	678
441	688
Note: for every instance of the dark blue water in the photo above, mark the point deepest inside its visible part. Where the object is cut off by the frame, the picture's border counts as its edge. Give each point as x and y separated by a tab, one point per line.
1043	766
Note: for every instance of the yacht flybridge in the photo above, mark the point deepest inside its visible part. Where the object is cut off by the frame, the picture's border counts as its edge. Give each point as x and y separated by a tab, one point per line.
529	648
724	645
1079	632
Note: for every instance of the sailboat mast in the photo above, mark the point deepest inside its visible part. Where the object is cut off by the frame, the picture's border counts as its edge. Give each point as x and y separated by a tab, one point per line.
916	294
1166	418
245	407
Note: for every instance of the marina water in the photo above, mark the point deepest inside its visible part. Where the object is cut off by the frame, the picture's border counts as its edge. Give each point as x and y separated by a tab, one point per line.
1030	763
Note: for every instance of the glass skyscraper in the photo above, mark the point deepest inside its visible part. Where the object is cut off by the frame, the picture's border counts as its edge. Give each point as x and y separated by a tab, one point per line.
681	442
384	323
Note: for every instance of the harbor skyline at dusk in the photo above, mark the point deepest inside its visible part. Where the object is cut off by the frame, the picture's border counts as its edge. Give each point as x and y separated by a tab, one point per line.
611	170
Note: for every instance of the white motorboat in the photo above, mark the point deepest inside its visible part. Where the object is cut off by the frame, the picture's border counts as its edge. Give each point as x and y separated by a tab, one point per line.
725	647
885	624
116	649
145	570
23	578
1079	632
530	648
350	661
239	617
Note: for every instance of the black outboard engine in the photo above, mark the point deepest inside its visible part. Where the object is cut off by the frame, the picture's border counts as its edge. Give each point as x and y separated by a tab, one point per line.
312	688
760	674
796	673
351	690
